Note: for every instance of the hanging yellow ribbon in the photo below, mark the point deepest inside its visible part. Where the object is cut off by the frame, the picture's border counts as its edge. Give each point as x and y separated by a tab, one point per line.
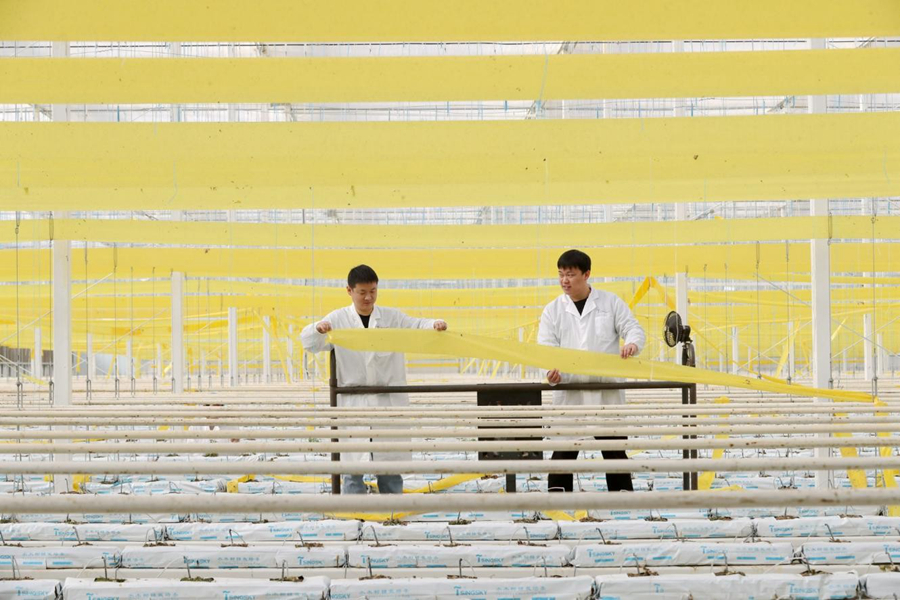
566	360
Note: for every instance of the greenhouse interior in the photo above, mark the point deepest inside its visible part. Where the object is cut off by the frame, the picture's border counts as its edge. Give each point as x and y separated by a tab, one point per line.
500	300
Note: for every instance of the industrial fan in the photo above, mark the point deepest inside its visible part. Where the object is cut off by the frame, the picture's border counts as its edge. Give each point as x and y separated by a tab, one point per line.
675	332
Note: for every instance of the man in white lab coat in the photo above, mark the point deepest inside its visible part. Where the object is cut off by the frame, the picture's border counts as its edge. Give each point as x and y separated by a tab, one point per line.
584	318
367	368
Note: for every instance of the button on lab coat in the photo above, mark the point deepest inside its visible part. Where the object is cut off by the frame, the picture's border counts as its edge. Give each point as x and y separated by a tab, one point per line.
604	320
367	368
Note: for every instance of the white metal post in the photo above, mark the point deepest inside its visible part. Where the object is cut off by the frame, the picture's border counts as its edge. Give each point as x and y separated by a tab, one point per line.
61	253
129	359
267	349
91	359
868	347
37	362
820	266
290	352
233	367
735	351
681	280
178	332
792	355
62	322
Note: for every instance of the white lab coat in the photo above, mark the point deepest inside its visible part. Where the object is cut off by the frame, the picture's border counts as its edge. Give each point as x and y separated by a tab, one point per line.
367	368
603	321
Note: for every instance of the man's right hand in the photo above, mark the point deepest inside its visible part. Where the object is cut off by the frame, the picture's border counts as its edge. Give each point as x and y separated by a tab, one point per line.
554	376
323	327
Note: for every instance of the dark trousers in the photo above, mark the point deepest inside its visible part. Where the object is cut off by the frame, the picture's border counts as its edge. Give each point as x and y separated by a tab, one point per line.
615	482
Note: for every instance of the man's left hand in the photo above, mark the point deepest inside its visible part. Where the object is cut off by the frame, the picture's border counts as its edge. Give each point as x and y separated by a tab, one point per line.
440	326
628	350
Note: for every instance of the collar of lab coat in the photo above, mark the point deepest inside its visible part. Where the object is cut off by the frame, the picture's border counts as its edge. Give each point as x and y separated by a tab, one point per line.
373	318
589	305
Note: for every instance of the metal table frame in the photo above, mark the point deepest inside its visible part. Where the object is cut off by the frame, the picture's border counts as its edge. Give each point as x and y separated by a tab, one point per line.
688	397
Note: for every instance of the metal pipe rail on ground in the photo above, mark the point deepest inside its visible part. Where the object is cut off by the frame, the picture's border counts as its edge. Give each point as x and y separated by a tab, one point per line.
237	448
431	425
310	403
452	432
537	412
327	504
444	467
495	392
420	411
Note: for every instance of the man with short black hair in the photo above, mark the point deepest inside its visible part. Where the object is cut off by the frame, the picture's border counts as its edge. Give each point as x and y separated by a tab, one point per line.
584	318
367	368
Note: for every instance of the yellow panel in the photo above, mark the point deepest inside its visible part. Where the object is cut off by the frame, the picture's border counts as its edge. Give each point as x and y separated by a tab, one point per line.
432	20
356	165
197	233
569	361
451	78
697	260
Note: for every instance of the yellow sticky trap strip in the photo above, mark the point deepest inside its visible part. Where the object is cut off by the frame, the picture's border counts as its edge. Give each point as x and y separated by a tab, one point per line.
446	483
566	360
447	78
558	515
730	488
78	480
302	478
857	477
87	166
436	21
466	264
888	476
370	516
232	486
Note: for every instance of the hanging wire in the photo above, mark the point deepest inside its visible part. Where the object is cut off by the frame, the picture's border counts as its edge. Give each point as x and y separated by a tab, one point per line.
52	387
155	361
221	343
131	338
787	304
758	337
208	336
20	398
172	313
876	347
706	313
199	339
87	328
728	363
116	317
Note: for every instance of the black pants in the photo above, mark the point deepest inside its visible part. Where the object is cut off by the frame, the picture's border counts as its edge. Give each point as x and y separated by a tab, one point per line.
615	482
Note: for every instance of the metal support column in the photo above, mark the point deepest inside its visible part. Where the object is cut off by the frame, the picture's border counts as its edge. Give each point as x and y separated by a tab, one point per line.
177	332
820	267
267	350
234	373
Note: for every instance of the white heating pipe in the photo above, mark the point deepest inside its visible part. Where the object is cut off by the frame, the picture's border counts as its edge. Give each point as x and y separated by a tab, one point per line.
232	448
448	432
419	503
325	467
888	422
375	413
